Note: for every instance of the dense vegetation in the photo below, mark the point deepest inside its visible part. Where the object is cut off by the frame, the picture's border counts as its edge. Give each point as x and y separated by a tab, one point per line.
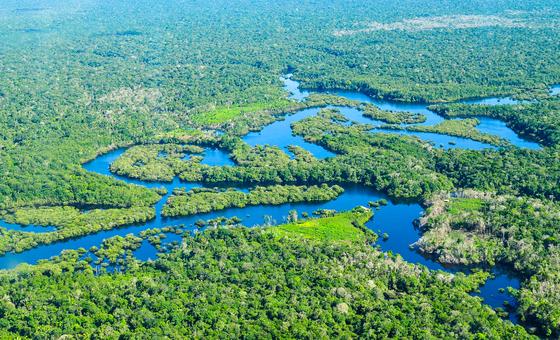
402	167
79	78
207	200
473	227
537	121
465	128
157	162
374	112
87	83
310	280
512	171
69	222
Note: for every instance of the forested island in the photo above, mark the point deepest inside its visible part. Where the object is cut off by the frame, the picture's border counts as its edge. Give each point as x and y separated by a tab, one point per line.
261	169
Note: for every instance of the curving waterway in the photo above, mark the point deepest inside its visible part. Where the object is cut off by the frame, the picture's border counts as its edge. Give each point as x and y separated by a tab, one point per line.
395	219
486	125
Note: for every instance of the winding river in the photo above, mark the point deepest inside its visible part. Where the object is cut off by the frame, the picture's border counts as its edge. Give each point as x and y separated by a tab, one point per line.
395	219
487	125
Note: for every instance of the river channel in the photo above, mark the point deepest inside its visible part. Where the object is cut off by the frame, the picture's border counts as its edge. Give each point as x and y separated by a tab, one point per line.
395	219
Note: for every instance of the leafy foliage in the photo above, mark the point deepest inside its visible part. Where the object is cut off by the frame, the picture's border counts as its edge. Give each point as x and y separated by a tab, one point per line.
70	223
252	283
535	120
465	128
474	227
206	200
347	226
80	78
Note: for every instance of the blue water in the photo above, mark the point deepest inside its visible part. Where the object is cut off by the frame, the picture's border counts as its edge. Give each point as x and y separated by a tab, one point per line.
555	90
26	228
388	105
441	140
216	157
280	134
395	219
292	87
494	291
148	251
492	101
355	115
487	125
499	128
390	220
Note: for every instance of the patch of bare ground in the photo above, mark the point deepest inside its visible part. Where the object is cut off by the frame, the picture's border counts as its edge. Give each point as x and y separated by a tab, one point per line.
448	21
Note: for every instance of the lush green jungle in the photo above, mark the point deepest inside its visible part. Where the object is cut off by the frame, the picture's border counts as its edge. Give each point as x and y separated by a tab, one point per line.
314	279
170	80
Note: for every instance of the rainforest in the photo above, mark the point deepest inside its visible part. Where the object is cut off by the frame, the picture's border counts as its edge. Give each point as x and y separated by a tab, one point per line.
279	169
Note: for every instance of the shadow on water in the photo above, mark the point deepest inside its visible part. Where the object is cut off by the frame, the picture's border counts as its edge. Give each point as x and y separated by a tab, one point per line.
129	33
31	30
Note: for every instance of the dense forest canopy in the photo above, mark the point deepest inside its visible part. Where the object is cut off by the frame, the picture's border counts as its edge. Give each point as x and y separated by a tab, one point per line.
79	78
309	279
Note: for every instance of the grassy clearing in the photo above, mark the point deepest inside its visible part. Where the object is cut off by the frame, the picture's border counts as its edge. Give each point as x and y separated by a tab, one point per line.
347	226
460	205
